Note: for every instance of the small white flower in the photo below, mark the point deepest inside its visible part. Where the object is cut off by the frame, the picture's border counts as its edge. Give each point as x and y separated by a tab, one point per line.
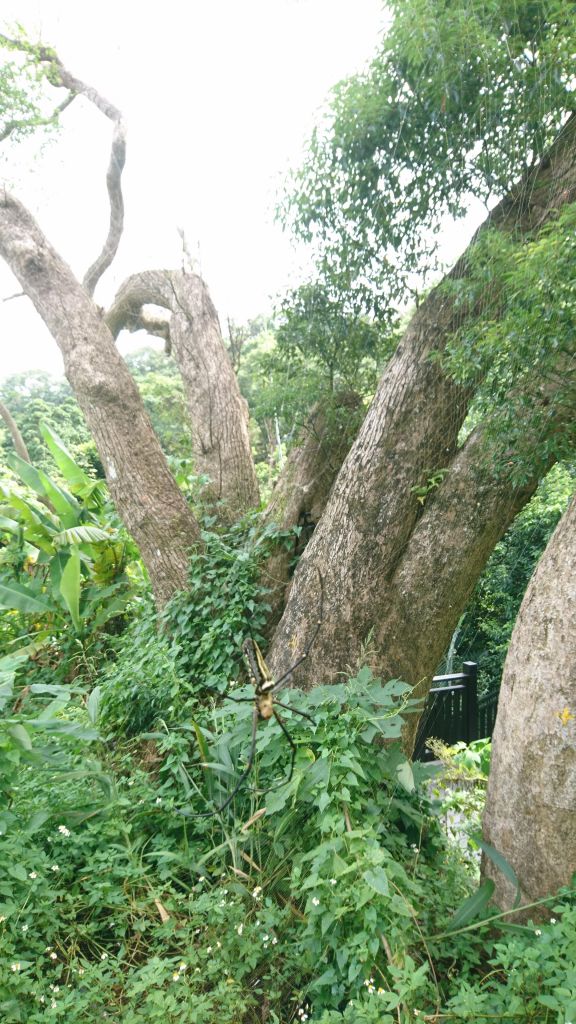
315	901
15	968
2	918
158	799
256	892
176	976
240	929
552	920
201	879
265	938
332	881
537	932
274	941
64	831
54	868
53	1004
218	945
53	956
183	967
209	949
24	927
80	970
104	956
32	875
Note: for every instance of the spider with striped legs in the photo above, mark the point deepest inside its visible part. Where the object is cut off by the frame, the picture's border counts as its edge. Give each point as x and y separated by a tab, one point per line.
265	704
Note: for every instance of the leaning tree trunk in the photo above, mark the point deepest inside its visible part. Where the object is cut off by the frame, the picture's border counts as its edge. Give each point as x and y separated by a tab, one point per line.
144	491
531	802
393	571
217	411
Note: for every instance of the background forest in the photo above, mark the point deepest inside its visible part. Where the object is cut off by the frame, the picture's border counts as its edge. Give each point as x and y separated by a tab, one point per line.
374	484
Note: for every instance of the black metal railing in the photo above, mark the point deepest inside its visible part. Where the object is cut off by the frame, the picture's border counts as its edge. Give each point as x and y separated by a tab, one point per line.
453	711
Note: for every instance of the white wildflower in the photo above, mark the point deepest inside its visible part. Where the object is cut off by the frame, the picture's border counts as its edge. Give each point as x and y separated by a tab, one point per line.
64	831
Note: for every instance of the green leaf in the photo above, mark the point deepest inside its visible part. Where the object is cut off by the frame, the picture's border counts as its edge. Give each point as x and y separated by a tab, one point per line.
93	704
75	476
82	535
501	863
70	587
377	879
20	598
18	872
20	735
405	776
36	821
472	907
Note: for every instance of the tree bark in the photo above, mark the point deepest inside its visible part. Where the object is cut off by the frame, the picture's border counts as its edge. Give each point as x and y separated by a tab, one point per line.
301	492
218	413
531	801
17	439
143	489
394	572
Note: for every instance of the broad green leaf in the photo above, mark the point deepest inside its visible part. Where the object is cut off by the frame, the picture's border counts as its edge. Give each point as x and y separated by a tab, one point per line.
36	821
70	587
75	476
377	879
20	734
73	730
20	598
18	872
81	535
501	863
472	906
64	503
28	475
405	776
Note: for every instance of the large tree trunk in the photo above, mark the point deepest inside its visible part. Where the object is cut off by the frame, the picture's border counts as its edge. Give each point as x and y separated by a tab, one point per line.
143	489
217	411
531	802
392	570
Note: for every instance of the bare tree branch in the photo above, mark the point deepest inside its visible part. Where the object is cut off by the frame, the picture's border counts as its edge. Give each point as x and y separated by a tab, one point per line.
17	438
60	77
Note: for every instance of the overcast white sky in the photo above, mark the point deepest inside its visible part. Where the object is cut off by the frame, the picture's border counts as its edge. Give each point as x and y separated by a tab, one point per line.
219	97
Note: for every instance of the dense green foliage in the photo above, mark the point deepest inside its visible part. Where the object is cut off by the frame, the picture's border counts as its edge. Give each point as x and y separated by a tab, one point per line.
517	346
118	900
461	98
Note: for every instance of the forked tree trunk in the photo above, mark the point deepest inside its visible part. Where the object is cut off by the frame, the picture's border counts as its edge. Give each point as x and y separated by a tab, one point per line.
144	491
394	571
531	802
217	411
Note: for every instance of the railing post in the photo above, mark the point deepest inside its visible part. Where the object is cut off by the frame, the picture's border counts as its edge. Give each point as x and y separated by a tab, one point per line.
470	669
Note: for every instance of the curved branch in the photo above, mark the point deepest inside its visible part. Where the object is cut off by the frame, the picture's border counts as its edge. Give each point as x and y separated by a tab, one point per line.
60	77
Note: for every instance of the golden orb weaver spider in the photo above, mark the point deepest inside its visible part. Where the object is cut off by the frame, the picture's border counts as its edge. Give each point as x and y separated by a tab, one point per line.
264	703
